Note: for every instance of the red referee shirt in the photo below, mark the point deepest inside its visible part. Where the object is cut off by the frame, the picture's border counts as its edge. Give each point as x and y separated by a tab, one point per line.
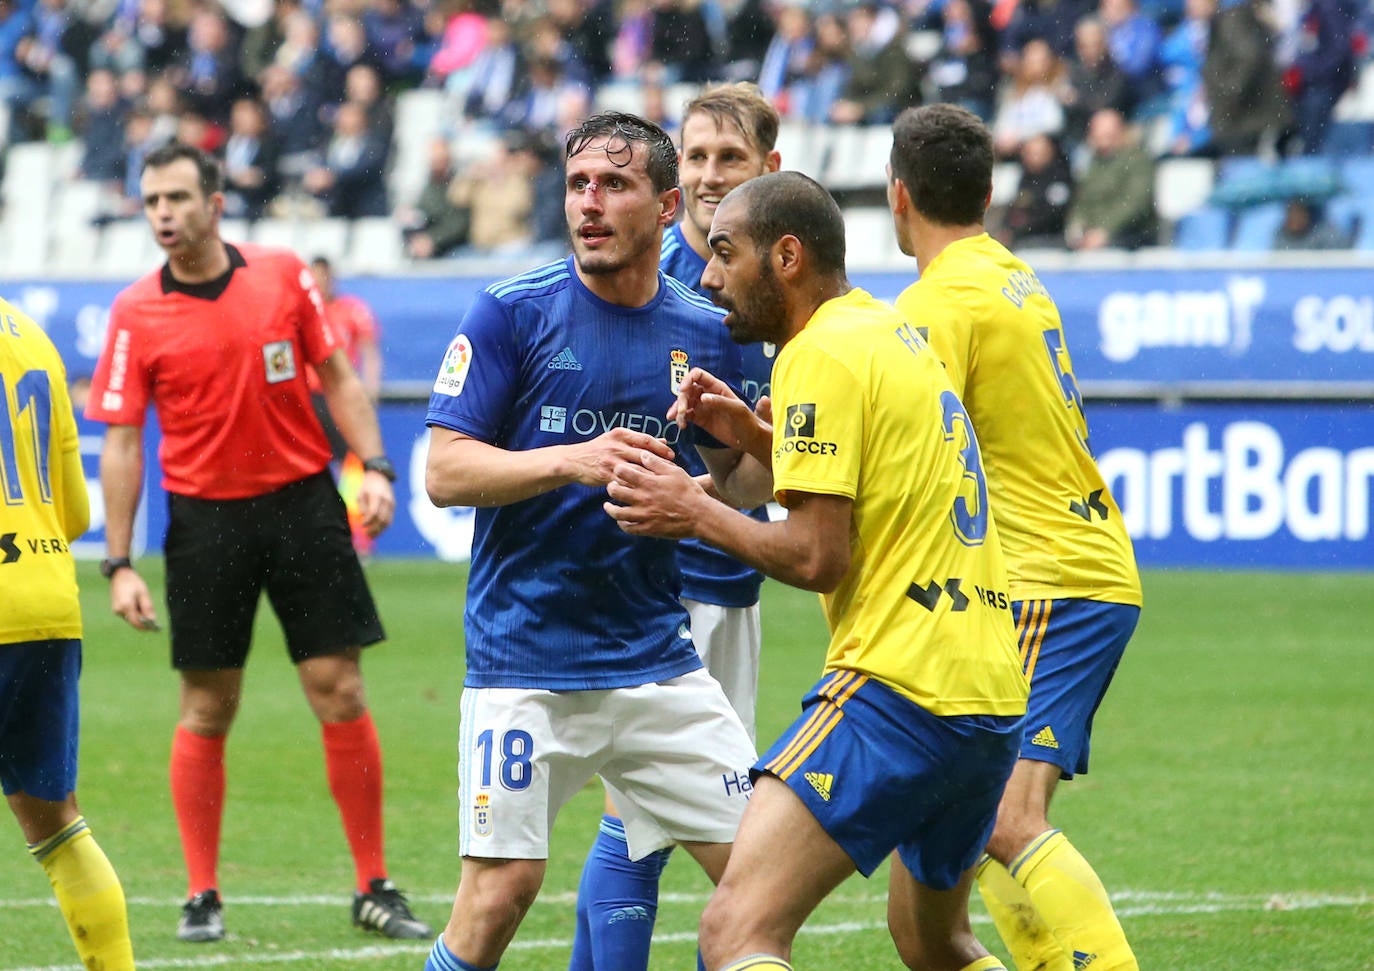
224	364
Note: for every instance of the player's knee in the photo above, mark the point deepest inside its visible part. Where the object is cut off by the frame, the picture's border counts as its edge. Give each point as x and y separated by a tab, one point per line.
1015	830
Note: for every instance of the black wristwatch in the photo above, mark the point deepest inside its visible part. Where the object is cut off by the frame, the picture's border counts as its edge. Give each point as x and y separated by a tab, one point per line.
383	465
109	567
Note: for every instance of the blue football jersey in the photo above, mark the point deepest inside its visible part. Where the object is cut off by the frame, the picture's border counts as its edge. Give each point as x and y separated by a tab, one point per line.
708	575
558	597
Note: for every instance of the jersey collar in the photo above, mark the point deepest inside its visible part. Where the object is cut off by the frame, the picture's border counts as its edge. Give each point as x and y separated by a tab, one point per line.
210	289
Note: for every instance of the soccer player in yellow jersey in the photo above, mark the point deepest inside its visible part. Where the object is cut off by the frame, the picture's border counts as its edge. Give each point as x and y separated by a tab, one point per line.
1075	590
45	507
906	742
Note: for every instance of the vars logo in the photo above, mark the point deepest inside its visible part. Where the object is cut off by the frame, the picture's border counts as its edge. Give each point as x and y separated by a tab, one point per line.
453	372
481	815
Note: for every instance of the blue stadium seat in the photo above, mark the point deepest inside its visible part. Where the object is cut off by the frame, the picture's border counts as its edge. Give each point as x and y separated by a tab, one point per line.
1358	176
1205	228
1256	226
1349	139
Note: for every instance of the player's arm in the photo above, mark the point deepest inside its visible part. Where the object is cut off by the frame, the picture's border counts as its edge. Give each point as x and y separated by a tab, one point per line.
121	482
69	477
464	471
357	423
809	549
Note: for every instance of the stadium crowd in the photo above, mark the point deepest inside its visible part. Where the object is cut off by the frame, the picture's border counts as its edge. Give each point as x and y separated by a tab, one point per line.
297	97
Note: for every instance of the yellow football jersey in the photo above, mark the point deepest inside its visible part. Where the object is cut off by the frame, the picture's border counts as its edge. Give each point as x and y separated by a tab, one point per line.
991	321
45	504
863	410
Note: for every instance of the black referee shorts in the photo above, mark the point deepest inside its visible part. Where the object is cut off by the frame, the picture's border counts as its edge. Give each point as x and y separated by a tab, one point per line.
295	544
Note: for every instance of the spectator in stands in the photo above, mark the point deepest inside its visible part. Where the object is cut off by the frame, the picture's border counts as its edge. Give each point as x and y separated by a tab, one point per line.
321	78
1323	69
681	41
1052	21
140	138
1305	227
964	71
1037	215
250	161
1094	81
1181	57
1245	95
631	48
352	181
545	40
345	45
1114	203
116	48
748	32
45	71
788	56
483	93
465	33
166	104
1133	40
550	103
588	28
811	96
208	72
294	121
501	193
1032	104
102	130
883	79
436	225
397	41
363	85
260	43
161	37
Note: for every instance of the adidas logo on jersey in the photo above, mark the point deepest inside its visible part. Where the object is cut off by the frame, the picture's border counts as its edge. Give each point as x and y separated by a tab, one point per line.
564	361
1082	960
1045	738
821	782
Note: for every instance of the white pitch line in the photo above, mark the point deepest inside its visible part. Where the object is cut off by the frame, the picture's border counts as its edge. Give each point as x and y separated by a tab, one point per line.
1137	904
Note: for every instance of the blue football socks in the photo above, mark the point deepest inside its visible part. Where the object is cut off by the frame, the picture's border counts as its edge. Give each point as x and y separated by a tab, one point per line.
442	959
617	903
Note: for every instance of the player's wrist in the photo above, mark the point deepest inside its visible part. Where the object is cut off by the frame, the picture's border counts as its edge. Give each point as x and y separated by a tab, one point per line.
113	564
382	466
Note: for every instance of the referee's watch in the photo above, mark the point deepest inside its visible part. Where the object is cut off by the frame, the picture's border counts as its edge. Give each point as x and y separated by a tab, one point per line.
109	567
383	465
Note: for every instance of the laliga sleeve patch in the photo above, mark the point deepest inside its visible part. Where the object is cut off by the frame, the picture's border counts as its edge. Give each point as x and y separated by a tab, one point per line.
280	360
453	372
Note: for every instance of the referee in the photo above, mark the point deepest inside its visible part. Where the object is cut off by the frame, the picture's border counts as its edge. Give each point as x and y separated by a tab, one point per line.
218	341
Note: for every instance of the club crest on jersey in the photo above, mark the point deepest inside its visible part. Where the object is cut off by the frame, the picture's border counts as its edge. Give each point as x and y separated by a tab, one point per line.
453	372
481	815
677	369
280	360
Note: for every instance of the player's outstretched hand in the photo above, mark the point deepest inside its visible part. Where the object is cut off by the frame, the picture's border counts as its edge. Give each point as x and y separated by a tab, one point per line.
130	599
376	503
593	462
651	496
697	383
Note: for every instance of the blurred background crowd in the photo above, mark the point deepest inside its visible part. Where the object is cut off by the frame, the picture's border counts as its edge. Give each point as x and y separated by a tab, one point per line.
305	100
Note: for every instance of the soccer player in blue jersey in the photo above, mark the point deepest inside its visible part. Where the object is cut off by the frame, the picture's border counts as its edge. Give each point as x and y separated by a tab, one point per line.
45	508
728	133
1071	569
907	740
579	654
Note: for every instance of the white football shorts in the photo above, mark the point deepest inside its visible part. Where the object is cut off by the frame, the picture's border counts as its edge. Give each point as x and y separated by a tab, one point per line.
673	755
729	640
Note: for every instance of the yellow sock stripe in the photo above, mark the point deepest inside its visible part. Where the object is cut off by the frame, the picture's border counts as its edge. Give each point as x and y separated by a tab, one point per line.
1024	856
839	689
758	961
1038	638
44	848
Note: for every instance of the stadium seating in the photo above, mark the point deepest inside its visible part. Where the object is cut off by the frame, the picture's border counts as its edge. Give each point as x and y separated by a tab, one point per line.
1205	228
868	238
1256	226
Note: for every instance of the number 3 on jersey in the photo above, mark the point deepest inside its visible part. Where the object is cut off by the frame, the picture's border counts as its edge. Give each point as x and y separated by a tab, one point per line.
970	519
517	748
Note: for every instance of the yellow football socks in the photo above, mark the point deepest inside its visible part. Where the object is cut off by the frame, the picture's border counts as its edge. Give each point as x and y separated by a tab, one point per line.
1070	898
1032	945
89	895
988	963
759	962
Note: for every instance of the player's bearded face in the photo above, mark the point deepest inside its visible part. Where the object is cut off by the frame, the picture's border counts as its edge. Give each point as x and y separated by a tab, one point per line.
756	305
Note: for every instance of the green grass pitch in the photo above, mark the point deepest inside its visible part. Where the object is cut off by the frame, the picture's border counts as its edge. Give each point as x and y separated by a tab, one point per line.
1229	808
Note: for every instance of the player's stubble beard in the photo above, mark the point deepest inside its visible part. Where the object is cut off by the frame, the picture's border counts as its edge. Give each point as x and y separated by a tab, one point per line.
759	312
